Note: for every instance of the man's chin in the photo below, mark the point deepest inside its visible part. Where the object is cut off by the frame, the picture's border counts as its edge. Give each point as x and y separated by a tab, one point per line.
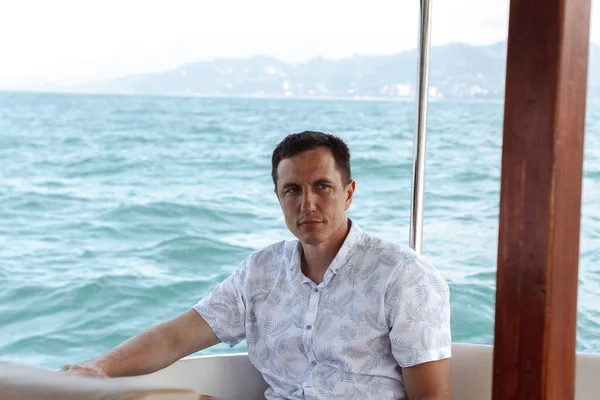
310	240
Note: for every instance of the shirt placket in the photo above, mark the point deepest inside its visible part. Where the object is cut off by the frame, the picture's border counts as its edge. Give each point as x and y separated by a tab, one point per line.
309	322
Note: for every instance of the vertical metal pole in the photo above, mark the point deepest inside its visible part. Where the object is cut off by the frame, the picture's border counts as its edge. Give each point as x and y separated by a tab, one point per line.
416	220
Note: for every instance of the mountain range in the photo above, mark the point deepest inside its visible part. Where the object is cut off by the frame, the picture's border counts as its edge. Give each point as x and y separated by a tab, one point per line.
457	70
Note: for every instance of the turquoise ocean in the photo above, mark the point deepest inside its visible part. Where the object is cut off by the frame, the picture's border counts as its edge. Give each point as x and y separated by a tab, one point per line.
120	212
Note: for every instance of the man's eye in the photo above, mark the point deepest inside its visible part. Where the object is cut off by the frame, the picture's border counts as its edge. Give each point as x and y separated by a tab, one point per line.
322	186
291	190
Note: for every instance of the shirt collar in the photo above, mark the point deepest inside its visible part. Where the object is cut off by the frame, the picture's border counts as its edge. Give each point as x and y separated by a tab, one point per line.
354	236
343	254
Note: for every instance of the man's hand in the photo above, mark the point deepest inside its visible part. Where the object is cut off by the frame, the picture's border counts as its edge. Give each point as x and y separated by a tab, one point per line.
84	369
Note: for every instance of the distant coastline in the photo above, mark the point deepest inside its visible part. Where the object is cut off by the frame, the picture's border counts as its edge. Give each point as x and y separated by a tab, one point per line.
249	97
458	71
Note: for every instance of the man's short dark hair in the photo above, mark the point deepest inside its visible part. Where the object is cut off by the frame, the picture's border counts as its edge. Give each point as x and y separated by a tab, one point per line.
297	143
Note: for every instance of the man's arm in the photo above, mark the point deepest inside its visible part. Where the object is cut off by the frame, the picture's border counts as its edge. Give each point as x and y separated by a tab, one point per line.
428	381
153	349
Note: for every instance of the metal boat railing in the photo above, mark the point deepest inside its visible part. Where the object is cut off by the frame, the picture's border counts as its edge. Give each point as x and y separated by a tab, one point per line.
420	134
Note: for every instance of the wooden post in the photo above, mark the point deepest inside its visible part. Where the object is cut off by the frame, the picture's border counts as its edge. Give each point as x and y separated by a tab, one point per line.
540	200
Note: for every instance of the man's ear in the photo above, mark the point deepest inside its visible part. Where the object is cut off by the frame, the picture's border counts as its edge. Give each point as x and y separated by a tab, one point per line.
350	193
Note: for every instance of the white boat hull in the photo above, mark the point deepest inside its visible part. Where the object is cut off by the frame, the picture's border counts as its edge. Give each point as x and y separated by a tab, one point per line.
232	376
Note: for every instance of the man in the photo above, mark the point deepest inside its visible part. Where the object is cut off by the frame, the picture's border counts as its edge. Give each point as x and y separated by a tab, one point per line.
335	314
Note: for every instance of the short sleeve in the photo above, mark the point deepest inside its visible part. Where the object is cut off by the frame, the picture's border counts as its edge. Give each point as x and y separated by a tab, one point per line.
224	309
417	307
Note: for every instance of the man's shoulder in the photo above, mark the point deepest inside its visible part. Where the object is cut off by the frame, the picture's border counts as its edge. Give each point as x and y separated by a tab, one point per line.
276	254
374	245
401	258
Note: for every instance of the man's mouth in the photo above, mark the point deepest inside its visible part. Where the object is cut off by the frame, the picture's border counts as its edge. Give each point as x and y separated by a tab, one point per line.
310	222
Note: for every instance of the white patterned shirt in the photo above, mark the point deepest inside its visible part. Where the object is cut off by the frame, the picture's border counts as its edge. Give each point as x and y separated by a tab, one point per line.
380	307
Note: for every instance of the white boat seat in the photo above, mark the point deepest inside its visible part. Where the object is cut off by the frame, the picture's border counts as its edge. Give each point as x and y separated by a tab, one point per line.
232	376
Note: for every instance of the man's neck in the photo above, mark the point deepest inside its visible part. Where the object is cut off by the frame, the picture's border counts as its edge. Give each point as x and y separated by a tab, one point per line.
317	258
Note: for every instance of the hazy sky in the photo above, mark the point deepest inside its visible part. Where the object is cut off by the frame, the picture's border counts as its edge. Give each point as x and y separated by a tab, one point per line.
71	41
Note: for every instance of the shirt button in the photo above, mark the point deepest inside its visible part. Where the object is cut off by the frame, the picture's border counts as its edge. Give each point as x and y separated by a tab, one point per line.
316	290
308	327
314	362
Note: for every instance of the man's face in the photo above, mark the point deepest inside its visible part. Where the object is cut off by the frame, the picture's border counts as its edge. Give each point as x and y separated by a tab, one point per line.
313	199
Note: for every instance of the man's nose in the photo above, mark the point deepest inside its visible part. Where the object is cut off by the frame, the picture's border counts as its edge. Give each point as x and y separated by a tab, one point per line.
308	202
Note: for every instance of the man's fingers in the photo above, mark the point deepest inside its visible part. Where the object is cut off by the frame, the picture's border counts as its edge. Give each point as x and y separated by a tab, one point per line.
82	370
